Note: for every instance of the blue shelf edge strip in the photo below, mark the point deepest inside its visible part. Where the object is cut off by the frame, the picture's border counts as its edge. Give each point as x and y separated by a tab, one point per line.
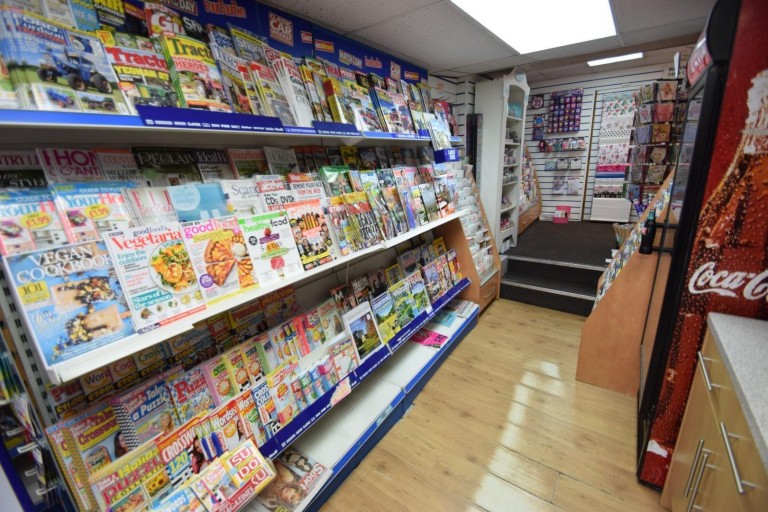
169	117
387	419
447	155
306	418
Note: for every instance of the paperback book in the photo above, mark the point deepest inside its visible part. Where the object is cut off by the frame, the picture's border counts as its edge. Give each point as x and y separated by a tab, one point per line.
70	299
219	257
29	220
92	209
361	326
156	274
199	201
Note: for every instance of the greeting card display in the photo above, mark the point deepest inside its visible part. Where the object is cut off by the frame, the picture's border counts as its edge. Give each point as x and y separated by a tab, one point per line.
565	111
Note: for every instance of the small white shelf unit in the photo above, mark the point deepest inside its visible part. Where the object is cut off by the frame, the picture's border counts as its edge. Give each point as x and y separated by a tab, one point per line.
502	103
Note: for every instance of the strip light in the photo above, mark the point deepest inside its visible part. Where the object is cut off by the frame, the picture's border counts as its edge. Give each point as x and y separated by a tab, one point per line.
619	58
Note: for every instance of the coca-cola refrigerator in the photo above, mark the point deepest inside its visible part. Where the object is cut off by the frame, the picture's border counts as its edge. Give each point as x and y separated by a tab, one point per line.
718	257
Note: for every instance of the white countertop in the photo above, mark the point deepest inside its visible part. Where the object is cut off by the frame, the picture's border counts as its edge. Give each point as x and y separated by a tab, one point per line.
743	344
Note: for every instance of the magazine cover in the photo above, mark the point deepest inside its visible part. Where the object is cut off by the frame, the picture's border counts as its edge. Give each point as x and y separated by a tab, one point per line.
311	232
342	229
336	179
213	165
219	256
220	381
275	99
344	356
97	438
63	165
298	480
246	465
419	292
150	360
21	169
62	70
70	299
146	410
249	415
190	394
163	167
228	430
445	192
156	274
361	289
138	481
92	209
453	267
97	383
180	450
271	245
439	132
386	316
279	383
281	161
247	162
242	94
143	77
344	298
419	209
181	499
378	282
266	407
366	229
150	205
433	280
393	274
247	44
330	319
238	368
198	201
405	304
293	86
118	164
365	117
430	201
76	479
360	325
8	97
242	197
196	74
29	220
409	260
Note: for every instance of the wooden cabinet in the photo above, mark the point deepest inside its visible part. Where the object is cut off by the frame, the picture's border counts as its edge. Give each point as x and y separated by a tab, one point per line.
716	465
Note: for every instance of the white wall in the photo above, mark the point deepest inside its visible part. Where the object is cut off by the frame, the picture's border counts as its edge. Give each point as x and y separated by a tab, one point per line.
595	86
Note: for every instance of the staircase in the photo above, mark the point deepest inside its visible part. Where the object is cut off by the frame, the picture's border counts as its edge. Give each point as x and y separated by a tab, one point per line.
563	286
557	266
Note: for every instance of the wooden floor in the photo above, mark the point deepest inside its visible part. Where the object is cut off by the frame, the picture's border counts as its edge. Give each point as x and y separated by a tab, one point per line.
504	426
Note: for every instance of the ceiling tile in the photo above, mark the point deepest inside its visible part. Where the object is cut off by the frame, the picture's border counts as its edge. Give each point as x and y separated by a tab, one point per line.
344	16
633	15
661	32
440	35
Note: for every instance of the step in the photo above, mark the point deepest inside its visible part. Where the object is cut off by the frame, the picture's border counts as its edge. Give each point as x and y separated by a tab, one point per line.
576	274
548	292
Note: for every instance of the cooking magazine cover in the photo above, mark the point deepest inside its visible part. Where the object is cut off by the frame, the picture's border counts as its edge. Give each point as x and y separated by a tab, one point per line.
156	274
271	246
70	299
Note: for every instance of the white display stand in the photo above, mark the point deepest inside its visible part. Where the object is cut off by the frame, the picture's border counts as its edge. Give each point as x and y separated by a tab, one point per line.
501	152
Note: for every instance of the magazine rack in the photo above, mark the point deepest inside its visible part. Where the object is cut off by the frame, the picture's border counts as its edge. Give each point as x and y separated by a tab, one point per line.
614	330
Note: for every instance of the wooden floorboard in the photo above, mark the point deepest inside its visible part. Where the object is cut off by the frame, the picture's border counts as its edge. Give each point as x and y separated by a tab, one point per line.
504	426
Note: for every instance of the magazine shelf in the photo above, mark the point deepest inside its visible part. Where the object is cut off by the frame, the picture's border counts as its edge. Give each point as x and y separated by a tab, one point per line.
309	416
356	425
97	358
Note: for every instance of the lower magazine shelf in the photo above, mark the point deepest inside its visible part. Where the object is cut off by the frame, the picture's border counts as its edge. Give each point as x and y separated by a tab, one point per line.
309	416
355	426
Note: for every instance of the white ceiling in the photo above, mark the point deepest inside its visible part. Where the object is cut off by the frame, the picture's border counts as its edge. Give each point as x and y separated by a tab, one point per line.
440	37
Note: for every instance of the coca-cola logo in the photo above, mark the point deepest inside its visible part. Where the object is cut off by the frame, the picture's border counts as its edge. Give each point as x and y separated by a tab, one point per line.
727	284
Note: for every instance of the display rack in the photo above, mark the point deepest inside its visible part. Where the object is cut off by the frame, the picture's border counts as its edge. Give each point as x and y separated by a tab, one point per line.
530	194
502	102
614	330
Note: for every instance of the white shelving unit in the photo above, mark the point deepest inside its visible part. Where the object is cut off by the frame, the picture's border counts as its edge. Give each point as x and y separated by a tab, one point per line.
502	103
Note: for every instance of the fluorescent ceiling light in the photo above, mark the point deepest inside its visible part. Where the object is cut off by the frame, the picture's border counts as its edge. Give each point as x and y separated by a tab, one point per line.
531	26
611	60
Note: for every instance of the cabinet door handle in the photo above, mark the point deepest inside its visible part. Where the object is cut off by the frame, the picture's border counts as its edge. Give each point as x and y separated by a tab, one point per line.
705	372
697	483
693	467
491	293
731	458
